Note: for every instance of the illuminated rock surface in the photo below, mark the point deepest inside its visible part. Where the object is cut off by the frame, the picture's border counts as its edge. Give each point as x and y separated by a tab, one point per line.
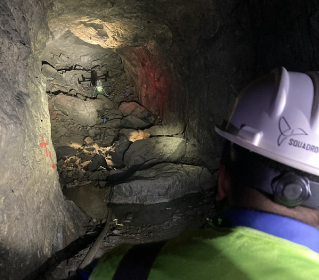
183	62
36	220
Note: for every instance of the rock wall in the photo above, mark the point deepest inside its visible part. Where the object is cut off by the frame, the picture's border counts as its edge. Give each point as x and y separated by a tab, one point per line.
216	48
286	33
199	72
35	220
187	60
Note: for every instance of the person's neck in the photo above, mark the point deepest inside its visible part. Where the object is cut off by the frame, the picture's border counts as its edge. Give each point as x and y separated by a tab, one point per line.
250	198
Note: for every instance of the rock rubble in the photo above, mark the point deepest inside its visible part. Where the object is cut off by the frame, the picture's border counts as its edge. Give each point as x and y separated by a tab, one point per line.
97	146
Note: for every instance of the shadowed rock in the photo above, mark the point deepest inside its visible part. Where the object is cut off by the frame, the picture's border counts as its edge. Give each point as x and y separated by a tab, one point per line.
80	111
136	110
97	161
166	130
162	183
134	122
65	152
120	147
154	150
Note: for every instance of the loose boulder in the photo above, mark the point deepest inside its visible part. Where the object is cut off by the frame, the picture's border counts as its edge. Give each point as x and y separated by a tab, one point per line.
136	110
174	128
119	148
154	150
134	122
80	111
102	104
97	162
65	152
162	183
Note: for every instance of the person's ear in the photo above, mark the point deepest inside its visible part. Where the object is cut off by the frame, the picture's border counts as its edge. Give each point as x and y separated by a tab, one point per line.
223	183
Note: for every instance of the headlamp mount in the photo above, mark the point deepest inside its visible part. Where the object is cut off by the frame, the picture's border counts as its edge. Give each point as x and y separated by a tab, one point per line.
286	187
291	190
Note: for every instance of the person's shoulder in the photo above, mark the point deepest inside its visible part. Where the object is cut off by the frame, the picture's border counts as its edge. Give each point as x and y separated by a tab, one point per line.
199	235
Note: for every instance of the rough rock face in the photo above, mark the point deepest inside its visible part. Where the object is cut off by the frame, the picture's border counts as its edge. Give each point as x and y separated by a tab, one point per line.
136	110
161	183
142	164
189	59
186	62
109	144
78	110
173	128
155	150
75	71
181	56
35	219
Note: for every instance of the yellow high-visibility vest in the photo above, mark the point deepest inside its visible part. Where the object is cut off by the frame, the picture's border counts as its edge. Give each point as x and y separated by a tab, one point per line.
237	253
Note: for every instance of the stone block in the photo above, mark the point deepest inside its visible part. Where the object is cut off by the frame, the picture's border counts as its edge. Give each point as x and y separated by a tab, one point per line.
65	152
162	183
155	150
80	111
136	110
134	122
166	130
97	162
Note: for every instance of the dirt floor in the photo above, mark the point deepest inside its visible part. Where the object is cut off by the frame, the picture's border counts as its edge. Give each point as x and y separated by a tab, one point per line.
133	224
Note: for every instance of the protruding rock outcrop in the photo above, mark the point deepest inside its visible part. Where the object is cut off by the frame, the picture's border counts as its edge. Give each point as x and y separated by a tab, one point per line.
155	150
162	183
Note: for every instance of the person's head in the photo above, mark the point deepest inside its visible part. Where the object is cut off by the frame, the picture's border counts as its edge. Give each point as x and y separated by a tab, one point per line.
243	175
272	167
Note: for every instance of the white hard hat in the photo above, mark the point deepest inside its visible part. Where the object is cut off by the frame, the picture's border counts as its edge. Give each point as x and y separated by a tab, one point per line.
278	117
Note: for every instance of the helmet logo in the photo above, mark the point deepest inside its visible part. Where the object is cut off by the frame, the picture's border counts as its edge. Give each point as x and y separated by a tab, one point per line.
286	131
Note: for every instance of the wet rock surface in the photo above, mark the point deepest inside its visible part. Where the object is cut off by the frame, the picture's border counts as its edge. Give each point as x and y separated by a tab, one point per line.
131	224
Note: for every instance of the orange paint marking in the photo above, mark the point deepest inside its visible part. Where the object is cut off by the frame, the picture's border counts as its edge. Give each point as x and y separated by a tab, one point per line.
47	153
44	144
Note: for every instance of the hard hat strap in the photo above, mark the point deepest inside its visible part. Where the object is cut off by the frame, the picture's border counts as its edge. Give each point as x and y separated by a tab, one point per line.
286	187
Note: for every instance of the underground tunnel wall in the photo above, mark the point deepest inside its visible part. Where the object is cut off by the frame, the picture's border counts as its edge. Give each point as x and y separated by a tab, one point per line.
210	50
187	60
195	70
35	219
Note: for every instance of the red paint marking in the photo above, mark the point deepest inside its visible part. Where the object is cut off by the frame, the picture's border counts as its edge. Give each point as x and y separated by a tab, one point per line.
53	166
45	144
